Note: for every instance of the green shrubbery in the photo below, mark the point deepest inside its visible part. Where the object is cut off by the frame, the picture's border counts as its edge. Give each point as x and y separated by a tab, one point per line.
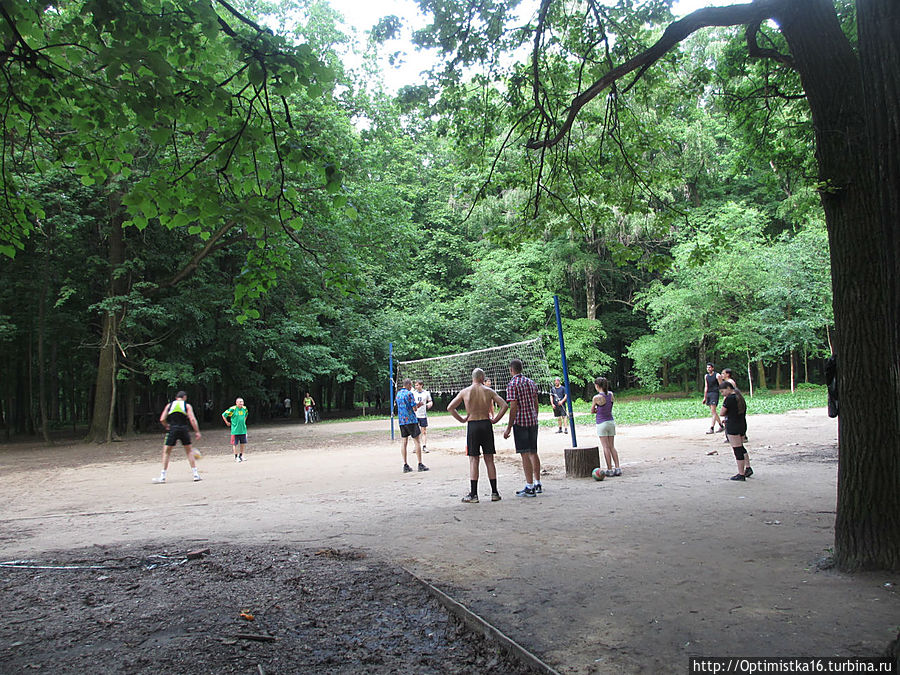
630	410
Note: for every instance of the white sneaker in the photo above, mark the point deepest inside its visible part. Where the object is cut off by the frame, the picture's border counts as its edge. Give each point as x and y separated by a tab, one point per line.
197	477
236	459
161	479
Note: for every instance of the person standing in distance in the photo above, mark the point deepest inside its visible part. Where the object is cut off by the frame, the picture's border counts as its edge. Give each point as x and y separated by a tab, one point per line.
409	424
602	406
176	417
423	398
558	398
287	406
479	420
711	397
522	395
734	409
236	418
308	404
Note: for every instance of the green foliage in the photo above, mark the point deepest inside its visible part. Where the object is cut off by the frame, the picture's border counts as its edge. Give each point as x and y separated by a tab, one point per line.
284	220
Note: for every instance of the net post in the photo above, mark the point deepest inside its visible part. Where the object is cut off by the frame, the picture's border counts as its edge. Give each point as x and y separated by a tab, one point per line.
391	382
565	367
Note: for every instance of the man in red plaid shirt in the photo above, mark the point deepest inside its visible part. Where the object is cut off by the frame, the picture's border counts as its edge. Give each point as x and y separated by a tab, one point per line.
522	395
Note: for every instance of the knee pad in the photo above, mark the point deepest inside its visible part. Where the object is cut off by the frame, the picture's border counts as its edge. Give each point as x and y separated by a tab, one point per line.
740	452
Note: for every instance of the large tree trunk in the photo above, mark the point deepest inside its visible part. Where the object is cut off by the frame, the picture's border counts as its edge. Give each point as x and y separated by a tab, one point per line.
42	370
858	146
761	375
101	429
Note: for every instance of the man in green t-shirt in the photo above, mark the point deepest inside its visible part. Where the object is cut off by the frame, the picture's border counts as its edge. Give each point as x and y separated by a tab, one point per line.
236	418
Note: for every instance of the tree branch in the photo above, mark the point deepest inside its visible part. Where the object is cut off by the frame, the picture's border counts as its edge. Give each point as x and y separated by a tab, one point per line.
210	247
755	50
755	12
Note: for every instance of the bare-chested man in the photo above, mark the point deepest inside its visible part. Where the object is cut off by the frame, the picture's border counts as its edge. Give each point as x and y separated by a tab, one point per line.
478	401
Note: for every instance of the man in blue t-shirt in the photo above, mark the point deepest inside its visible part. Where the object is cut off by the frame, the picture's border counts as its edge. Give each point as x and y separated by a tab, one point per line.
409	424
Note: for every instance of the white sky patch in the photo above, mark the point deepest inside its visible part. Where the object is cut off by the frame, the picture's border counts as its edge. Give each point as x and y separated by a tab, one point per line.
408	61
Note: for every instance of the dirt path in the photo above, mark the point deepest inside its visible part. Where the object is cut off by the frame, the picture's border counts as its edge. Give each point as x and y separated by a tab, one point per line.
630	575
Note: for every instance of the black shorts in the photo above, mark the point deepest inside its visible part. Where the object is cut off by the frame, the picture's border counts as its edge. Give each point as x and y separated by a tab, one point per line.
736	427
712	398
410	430
525	438
559	411
423	422
480	437
176	434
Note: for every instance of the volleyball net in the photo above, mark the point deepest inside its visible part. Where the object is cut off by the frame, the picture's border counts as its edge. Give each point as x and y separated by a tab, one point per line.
453	373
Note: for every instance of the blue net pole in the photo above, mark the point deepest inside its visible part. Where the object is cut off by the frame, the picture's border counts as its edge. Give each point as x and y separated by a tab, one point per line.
391	381
565	367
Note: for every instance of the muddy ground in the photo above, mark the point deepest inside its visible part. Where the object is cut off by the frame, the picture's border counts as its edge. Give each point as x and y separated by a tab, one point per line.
239	609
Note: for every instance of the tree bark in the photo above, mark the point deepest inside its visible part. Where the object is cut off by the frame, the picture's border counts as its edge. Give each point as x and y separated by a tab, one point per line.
865	245
590	293
856	127
101	430
761	375
580	462
793	371
42	371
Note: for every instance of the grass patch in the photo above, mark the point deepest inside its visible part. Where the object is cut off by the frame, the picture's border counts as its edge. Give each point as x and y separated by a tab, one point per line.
644	410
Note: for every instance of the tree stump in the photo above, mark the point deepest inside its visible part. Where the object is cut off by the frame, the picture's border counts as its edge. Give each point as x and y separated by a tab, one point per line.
581	461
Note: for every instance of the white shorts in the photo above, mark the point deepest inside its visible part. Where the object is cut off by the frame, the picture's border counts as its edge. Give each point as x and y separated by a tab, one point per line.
606	428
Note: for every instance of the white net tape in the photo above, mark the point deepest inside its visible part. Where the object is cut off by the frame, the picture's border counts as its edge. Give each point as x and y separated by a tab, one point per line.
450	374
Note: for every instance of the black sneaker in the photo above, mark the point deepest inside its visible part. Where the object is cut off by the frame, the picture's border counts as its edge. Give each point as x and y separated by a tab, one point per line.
495	497
470	499
526	492
738	476
422	467
748	472
538	489
407	468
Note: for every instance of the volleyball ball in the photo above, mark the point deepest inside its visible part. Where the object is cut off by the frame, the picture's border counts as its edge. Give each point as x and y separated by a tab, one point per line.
598	474
197	454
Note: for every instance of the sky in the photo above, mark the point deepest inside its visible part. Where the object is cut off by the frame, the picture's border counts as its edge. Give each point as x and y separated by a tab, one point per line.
363	14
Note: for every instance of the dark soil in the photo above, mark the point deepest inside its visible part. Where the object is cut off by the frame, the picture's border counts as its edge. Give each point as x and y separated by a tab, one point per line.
259	609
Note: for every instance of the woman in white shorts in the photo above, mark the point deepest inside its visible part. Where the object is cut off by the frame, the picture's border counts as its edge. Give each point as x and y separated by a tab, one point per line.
601	406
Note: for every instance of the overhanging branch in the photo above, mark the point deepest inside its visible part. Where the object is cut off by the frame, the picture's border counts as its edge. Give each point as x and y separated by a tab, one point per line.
735	15
211	246
755	50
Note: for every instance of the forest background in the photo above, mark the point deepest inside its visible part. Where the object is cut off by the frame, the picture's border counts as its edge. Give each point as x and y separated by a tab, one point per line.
213	222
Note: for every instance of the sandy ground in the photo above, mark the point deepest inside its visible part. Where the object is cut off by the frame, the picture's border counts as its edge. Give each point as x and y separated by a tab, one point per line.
629	575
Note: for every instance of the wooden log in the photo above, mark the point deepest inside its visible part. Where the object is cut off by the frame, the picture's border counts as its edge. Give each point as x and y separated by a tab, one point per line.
581	461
